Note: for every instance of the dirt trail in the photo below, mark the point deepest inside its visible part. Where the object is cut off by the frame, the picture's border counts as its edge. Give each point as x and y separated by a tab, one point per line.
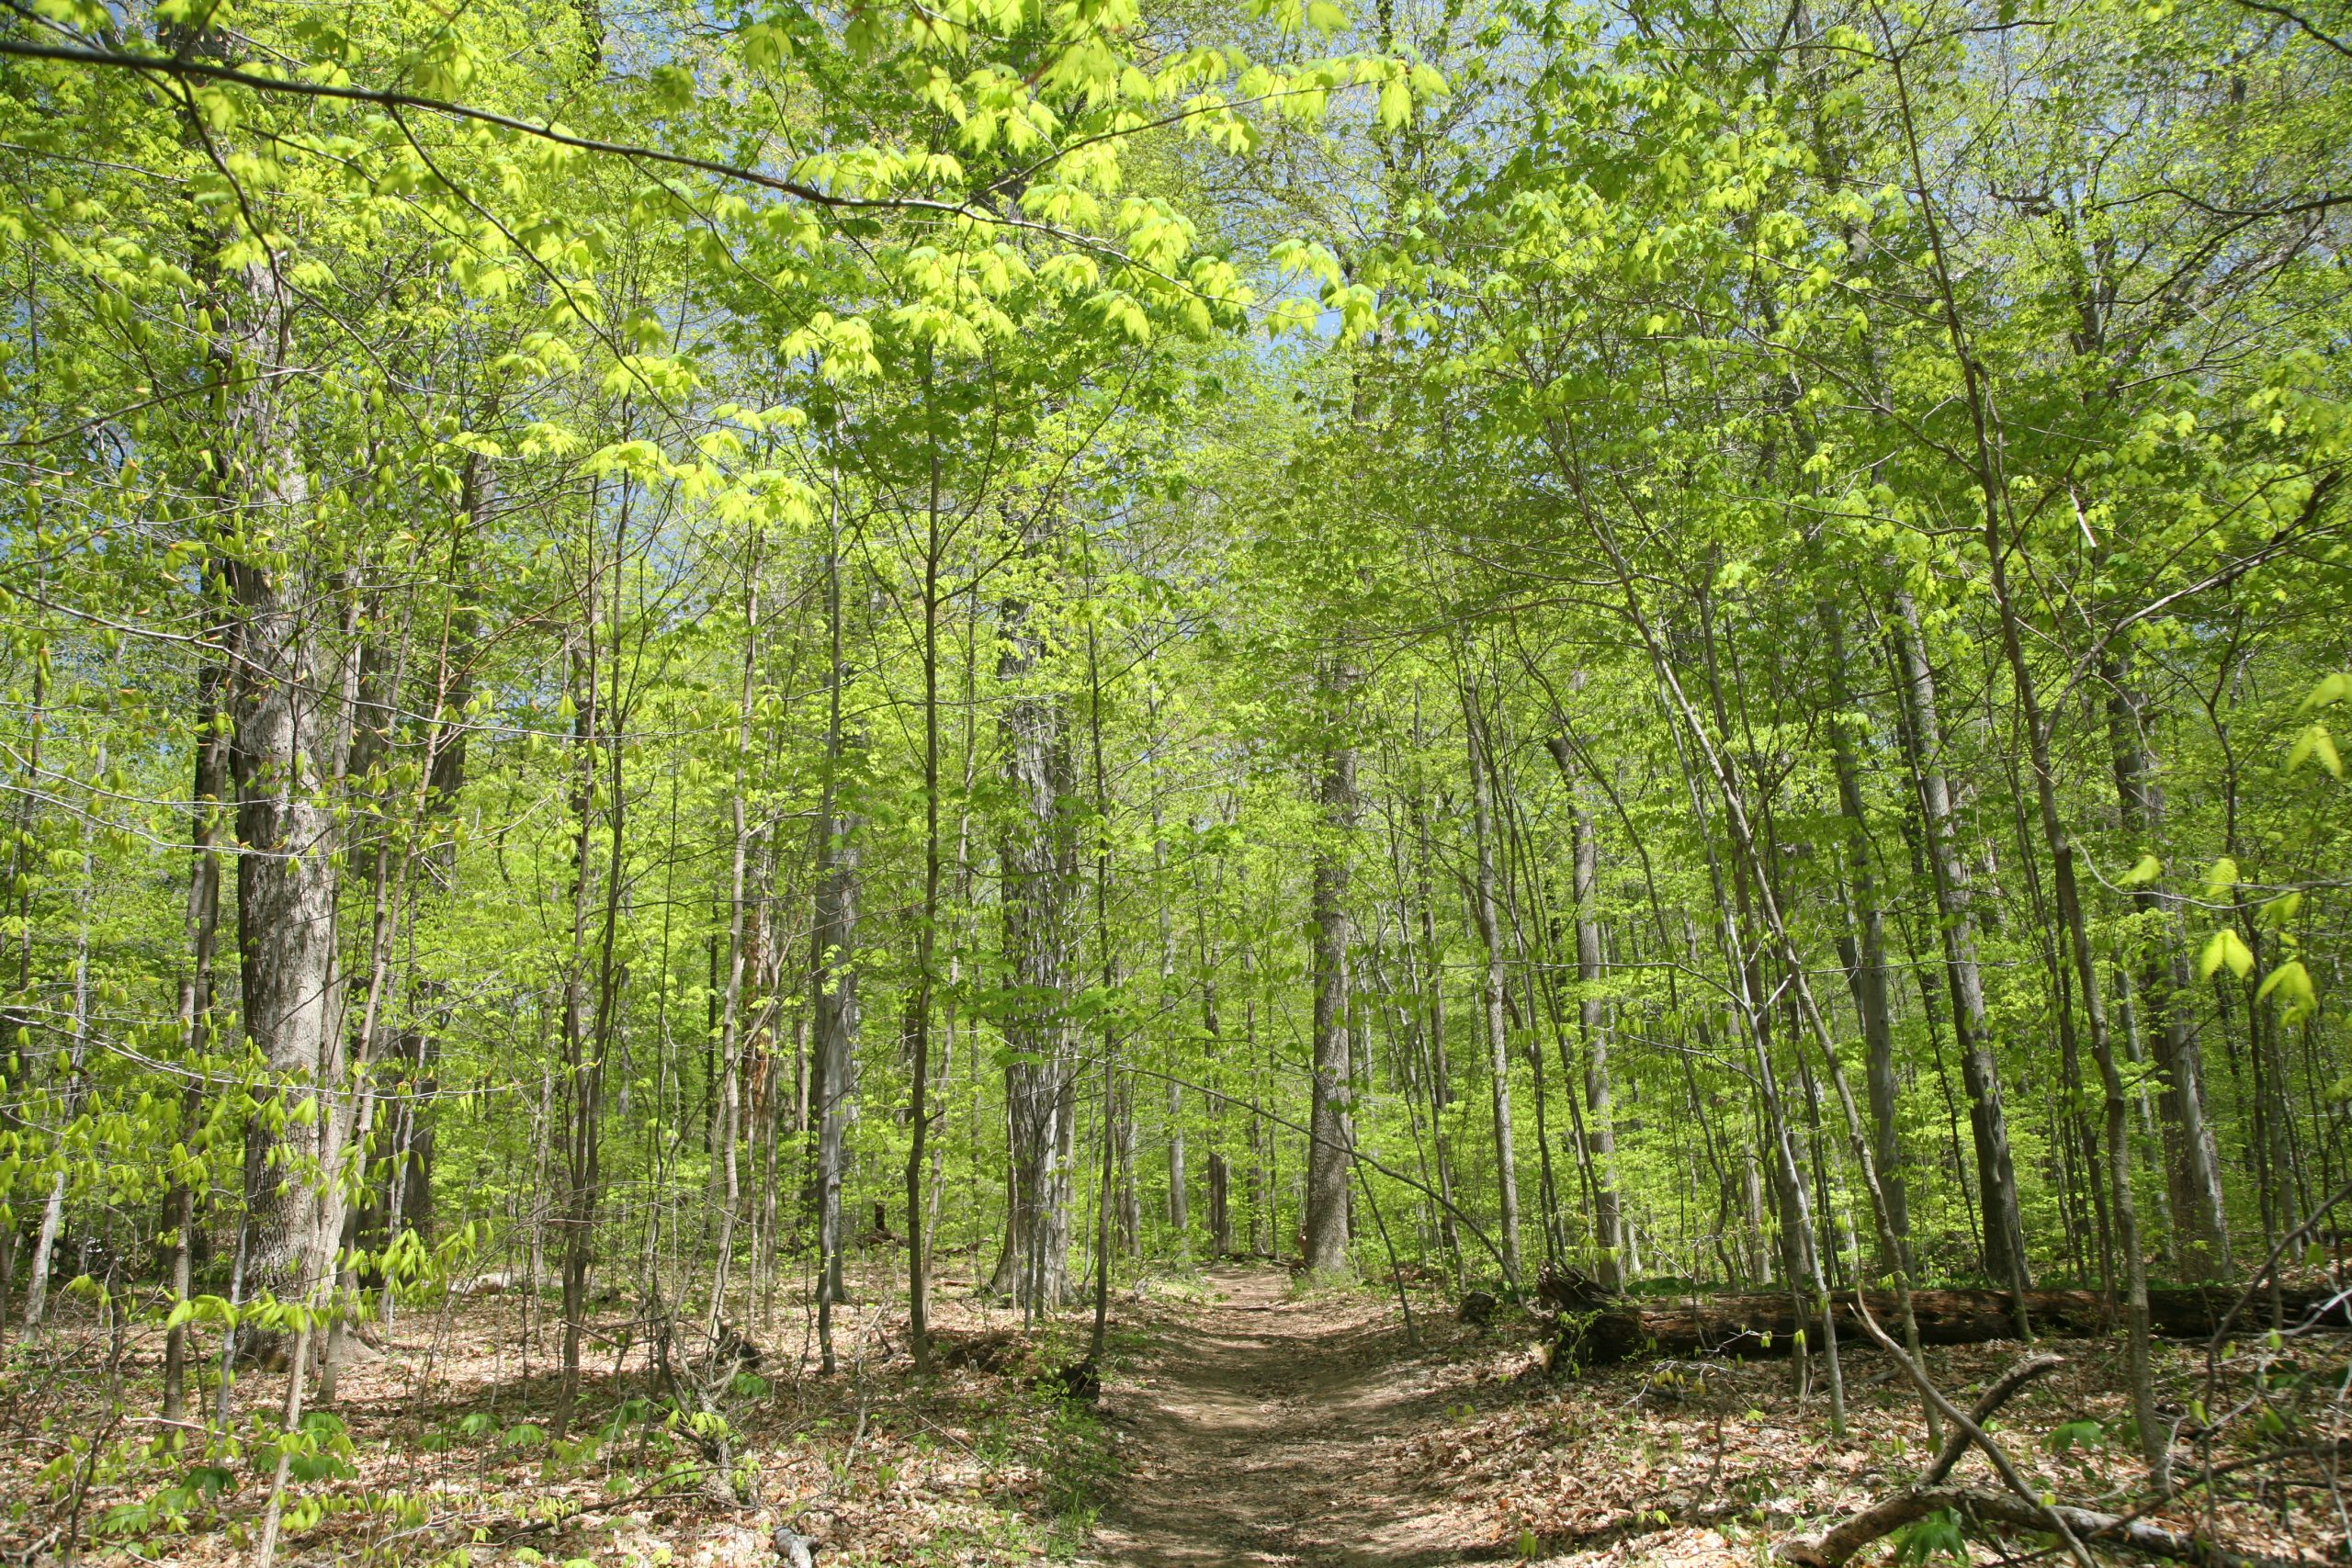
1256	1430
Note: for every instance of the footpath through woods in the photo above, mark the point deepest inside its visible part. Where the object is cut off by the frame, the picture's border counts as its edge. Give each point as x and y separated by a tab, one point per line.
1260	1425
1261	1429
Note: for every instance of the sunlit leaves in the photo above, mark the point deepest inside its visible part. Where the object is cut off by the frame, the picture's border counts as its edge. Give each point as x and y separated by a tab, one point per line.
2225	949
2291	982
2334	687
2315	744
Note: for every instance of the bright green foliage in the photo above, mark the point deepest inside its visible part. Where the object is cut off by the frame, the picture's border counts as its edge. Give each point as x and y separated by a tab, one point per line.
714	417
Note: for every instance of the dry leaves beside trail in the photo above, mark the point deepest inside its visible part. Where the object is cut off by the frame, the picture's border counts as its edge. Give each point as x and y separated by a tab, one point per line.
452	1456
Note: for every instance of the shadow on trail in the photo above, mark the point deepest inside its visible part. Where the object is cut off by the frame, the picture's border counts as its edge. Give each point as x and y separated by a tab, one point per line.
1258	1433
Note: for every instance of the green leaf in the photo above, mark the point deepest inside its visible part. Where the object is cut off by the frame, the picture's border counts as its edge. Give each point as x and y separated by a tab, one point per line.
1938	1535
2143	871
2331	689
2293	982
2225	947
2066	1435
2275	912
2315	744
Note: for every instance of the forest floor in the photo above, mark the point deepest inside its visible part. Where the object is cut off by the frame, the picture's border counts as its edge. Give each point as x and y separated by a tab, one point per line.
1248	1427
1264	1425
1242	1420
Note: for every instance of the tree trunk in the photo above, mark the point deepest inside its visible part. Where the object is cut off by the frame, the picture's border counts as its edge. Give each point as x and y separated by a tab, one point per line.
2075	923
1441	1086
196	1024
1865	950
282	756
589	1020
1995	1174
727	1196
833	968
1038	851
1330	1141
1994	490
1220	1208
1593	1025
2192	1163
1490	934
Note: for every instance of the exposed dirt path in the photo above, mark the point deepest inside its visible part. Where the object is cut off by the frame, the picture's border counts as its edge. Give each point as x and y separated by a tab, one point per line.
1256	1430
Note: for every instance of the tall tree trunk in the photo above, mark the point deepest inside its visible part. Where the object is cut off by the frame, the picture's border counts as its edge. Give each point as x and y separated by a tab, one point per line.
919	1114
1593	1020
1490	934
833	966
415	1103
52	1213
283	756
1331	1136
2192	1162
1995	1173
1038	850
1865	948
378	678
1441	1086
589	1020
727	1179
1180	1198
1993	486
195	1022
2154	1438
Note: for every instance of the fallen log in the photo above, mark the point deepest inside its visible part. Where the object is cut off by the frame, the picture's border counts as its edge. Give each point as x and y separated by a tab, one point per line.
1982	1507
1597	1331
1933	1494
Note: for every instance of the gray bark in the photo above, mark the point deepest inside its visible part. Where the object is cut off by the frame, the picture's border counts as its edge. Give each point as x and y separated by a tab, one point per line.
1327	1148
1490	934
1592	1023
1865	951
833	968
282	757
1995	1173
2192	1162
1038	852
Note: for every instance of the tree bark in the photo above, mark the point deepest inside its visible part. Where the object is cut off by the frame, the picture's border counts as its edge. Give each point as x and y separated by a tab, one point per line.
210	787
1980	1073
2192	1162
1593	1020
1038	851
282	757
833	970
727	1180
1866	948
1490	935
1330	1134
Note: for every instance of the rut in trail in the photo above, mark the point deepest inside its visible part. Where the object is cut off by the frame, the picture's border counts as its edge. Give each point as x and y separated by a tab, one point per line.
1257	1431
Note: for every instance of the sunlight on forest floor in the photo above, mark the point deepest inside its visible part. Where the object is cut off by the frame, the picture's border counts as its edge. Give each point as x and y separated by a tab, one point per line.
1243	1420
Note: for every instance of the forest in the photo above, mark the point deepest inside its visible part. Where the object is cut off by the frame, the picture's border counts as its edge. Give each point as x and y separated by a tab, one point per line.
1175	782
